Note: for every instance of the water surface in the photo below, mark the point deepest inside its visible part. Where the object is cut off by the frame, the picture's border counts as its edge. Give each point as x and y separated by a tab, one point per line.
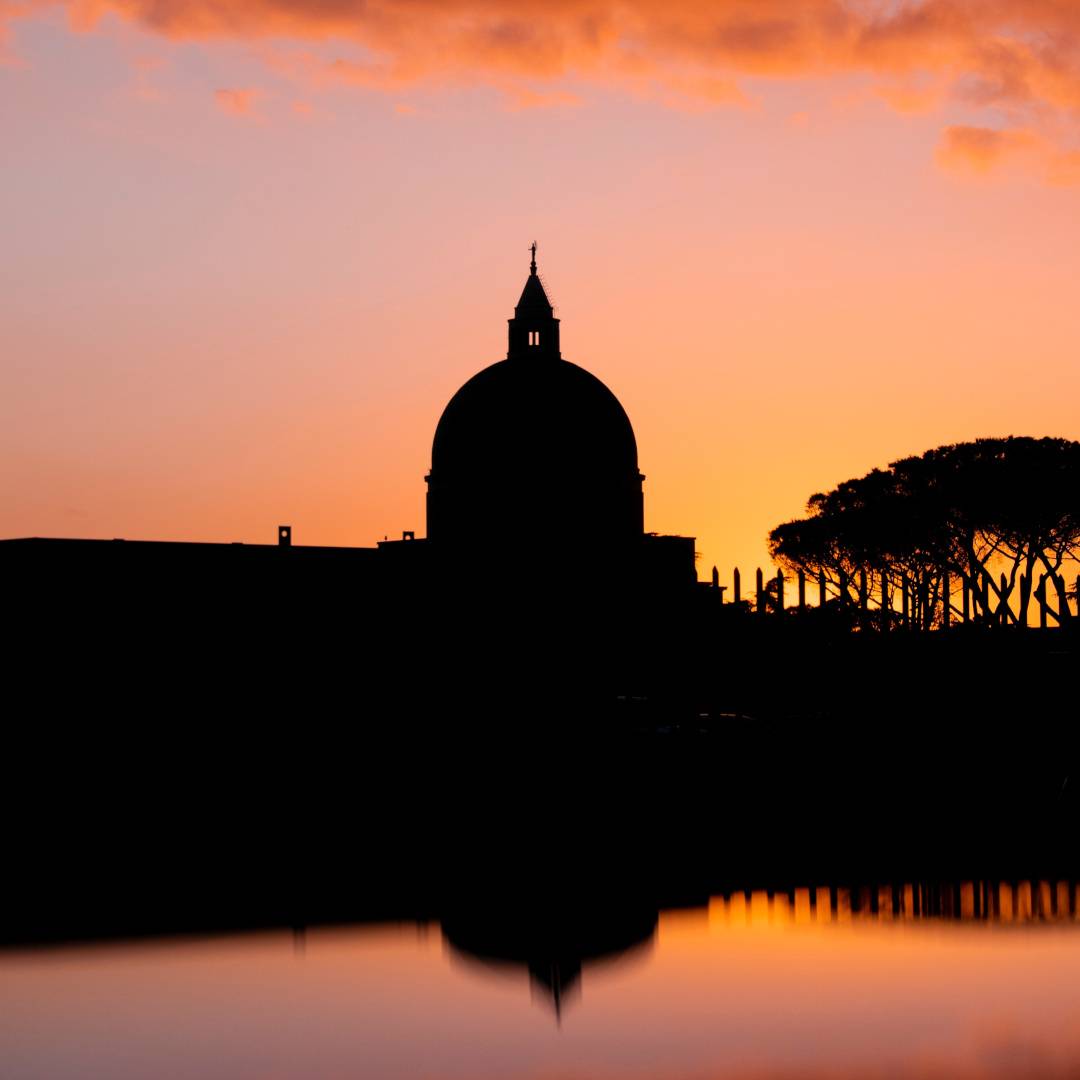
968	980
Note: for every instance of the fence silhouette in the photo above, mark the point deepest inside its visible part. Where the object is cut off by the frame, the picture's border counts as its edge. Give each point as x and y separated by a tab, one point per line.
896	604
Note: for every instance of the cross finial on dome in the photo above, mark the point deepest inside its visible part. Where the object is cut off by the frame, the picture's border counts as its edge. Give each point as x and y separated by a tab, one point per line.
532	265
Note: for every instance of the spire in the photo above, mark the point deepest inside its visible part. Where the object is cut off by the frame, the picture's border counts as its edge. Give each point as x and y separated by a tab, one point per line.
534	330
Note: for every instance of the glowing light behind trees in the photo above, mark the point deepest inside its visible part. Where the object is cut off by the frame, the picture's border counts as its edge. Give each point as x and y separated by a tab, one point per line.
988	515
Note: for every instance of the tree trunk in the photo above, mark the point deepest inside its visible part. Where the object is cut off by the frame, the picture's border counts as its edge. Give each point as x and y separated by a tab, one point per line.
1025	597
1064	614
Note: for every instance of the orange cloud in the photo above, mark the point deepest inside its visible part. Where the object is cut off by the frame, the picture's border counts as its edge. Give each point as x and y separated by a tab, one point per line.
1016	59
236	102
982	151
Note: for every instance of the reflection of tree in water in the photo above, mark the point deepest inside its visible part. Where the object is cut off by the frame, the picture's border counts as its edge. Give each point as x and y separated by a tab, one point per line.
553	943
967	901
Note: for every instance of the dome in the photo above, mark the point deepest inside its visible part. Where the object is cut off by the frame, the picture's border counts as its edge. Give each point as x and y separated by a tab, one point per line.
534	448
543	415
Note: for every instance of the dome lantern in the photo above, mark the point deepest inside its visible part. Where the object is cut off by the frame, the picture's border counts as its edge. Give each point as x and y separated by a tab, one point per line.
534	330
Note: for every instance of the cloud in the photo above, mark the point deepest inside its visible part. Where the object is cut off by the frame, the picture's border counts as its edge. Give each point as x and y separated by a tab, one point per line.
10	10
983	151
236	102
1013	64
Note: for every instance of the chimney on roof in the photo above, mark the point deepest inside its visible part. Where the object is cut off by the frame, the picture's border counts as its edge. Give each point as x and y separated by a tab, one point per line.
284	535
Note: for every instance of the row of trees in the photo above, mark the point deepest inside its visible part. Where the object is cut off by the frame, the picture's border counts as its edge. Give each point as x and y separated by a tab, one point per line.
993	515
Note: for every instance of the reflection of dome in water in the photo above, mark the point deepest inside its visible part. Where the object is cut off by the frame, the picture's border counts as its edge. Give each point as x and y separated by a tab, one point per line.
534	447
553	944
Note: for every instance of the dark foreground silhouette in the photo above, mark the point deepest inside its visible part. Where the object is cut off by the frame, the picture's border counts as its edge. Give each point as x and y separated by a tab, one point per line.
200	812
201	751
209	735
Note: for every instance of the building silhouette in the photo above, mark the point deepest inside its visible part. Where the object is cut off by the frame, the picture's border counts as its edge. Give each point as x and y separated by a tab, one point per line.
536	572
534	475
535	448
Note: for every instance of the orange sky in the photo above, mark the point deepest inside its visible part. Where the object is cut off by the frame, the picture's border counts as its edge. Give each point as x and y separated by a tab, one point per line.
252	249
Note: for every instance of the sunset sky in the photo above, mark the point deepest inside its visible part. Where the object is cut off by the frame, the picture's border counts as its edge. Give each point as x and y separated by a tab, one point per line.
249	248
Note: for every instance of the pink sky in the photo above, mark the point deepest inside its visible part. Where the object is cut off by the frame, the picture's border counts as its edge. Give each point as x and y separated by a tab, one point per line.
250	250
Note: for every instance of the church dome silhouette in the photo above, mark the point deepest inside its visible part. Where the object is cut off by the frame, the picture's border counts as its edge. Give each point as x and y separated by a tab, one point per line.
534	448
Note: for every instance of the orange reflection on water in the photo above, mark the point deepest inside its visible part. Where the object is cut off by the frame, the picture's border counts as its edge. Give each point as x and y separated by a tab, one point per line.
969	979
1002	902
